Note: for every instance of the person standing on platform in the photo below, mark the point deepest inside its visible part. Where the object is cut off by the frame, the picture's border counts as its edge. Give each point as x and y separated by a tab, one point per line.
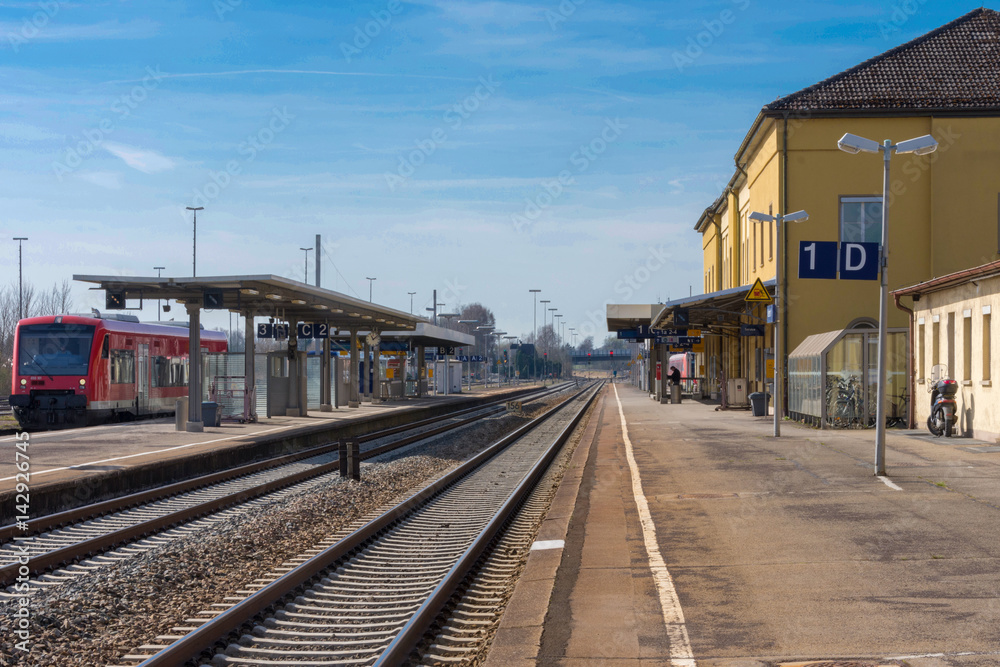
674	376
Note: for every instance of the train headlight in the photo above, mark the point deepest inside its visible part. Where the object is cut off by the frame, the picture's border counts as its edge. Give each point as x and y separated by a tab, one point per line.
83	382
23	382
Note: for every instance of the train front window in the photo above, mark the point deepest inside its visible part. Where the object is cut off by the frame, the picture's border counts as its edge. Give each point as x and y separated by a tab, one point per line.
54	349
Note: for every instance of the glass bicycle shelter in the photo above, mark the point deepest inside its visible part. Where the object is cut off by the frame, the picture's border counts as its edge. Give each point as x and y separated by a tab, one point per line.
833	378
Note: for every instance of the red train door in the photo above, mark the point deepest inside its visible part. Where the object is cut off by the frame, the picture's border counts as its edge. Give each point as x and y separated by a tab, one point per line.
142	378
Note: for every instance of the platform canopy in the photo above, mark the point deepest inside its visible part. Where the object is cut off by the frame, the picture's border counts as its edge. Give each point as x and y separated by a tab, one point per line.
262	295
623	316
715	311
431	335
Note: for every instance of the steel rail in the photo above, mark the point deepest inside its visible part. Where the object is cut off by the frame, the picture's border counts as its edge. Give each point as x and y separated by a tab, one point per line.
93	510
41	563
411	634
222	625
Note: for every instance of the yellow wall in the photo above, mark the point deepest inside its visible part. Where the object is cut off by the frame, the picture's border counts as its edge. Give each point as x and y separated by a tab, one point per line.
943	210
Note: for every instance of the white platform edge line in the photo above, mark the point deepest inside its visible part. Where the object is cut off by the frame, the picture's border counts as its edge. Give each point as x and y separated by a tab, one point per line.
681	654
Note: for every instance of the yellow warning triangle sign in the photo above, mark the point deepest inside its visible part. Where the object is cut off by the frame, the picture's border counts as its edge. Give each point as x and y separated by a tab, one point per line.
758	293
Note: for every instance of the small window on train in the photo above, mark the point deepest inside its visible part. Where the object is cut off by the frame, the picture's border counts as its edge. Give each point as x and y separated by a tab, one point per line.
105	346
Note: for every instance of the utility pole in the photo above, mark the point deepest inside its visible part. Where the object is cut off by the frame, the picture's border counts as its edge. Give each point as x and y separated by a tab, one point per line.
318	246
371	281
305	270
411	301
158	269
20	280
194	245
534	326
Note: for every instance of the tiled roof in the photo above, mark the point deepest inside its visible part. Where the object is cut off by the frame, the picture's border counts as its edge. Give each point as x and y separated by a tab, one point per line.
956	67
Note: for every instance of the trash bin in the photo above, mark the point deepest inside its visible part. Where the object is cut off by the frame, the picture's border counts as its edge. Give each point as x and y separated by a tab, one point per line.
210	414
675	394
758	403
181	414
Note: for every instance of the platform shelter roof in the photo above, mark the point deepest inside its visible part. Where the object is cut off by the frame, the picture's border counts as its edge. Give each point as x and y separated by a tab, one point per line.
262	295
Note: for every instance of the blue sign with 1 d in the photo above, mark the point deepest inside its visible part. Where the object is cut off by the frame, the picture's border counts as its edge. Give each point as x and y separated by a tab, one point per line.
818	259
859	261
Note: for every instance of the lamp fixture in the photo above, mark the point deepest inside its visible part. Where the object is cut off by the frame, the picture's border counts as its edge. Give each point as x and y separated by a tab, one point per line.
248	291
273	297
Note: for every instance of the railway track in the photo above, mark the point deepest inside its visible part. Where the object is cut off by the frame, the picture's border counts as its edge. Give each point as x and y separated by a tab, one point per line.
368	597
138	522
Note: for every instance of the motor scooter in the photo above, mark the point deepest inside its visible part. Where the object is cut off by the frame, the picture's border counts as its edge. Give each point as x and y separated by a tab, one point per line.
944	408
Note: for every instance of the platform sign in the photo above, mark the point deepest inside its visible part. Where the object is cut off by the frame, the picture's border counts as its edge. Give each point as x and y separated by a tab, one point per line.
818	260
859	261
669	332
471	357
758	293
305	330
751	329
446	350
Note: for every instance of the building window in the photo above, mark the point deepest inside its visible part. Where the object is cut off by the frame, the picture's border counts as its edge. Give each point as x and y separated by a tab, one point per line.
861	219
987	342
935	343
967	346
770	241
921	353
762	244
755	245
950	370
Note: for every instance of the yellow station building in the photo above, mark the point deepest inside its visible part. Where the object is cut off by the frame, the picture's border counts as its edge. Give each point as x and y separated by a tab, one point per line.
944	215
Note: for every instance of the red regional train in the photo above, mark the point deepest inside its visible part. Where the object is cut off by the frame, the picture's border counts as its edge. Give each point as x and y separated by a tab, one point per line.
76	370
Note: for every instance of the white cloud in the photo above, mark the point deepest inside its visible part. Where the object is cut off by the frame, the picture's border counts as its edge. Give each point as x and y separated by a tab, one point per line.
146	161
105	179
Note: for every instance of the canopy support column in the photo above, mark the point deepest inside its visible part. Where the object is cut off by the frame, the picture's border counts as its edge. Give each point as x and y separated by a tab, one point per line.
325	404
354	400
295	407
366	387
377	373
194	422
249	379
421	371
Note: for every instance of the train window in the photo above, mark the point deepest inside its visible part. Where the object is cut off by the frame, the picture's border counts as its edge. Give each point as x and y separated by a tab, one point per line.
122	366
105	346
54	349
169	372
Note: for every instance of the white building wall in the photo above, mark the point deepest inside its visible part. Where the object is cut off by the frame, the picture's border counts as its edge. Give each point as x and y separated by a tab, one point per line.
970	345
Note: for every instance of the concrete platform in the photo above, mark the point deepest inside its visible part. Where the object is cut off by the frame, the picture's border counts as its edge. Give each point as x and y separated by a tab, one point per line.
703	540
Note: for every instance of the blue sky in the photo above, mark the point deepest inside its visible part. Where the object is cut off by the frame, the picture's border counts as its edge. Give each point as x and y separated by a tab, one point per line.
478	148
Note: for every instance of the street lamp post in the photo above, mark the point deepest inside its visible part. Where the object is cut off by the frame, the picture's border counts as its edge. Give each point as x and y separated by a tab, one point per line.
371	281
544	356
854	144
510	361
158	275
499	335
20	280
411	301
194	245
779	364
558	325
534	329
470	356
305	270
486	329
